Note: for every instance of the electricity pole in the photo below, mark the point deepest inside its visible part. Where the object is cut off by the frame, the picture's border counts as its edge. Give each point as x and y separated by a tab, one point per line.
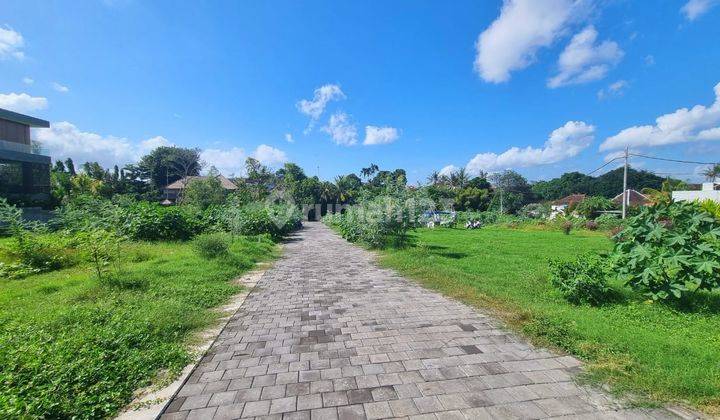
501	201
624	193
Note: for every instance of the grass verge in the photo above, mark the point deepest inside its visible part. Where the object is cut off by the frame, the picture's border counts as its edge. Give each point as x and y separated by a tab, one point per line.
73	347
653	350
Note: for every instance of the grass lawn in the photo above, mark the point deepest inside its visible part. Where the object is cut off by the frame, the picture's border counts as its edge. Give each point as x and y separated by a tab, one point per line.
71	346
654	350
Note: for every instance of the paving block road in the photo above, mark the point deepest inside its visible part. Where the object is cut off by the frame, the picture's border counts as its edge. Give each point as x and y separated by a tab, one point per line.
327	334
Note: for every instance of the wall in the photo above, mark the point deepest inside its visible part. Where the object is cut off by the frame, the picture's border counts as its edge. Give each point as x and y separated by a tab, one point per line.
14	132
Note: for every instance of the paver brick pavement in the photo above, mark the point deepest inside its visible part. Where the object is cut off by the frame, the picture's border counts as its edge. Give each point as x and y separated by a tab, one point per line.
327	334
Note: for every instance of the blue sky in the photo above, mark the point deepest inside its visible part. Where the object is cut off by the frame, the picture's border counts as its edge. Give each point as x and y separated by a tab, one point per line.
476	84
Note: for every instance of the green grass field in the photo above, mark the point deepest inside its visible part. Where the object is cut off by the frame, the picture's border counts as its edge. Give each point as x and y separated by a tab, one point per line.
653	350
73	347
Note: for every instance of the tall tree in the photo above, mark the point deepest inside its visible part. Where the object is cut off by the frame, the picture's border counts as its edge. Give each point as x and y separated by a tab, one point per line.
70	166
167	164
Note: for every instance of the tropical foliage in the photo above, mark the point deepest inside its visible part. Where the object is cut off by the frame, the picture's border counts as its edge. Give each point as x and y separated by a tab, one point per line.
670	249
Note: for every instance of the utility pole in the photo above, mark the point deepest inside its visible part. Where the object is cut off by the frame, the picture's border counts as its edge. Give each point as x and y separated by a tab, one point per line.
501	201
624	193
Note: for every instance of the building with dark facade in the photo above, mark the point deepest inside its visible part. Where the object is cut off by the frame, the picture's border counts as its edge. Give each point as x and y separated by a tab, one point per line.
24	173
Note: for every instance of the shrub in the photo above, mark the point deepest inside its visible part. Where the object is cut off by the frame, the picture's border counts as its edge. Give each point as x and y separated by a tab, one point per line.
103	250
153	222
204	192
669	249
712	207
89	212
583	280
608	221
590	206
567	227
211	245
535	210
277	220
17	270
591	225
43	252
380	220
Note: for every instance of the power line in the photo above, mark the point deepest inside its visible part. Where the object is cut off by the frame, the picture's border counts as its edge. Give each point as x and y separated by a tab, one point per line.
673	160
606	164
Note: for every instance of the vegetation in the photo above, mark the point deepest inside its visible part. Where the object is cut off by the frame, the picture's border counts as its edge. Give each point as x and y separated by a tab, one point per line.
581	280
670	249
661	351
74	345
607	185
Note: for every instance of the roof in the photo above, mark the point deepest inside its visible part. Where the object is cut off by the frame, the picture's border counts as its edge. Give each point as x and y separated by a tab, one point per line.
181	183
22	119
635	198
570	200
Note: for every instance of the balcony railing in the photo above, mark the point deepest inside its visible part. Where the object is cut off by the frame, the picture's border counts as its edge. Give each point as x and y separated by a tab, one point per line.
15	147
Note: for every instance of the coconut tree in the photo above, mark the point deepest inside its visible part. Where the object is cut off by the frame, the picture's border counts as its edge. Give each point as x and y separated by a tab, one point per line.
712	172
434	178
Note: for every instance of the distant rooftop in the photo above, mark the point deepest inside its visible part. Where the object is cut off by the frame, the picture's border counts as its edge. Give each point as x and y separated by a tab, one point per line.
22	119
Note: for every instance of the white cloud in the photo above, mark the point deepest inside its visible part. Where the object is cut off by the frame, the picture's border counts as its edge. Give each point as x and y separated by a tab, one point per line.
64	139
684	125
693	9
449	169
289	138
614	89
28	80
523	27
228	162
315	107
11	43
147	146
232	161
60	88
583	61
341	130
564	142
22	102
649	60
380	135
269	156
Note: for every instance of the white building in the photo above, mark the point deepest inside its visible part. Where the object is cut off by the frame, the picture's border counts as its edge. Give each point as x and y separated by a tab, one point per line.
709	191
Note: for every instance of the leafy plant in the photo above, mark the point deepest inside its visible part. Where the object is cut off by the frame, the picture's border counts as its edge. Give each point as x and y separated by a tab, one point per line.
211	245
591	206
17	270
582	280
712	207
103	250
153	222
670	249
608	221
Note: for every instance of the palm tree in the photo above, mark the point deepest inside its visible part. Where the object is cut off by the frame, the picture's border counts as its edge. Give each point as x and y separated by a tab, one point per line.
434	178
369	171
459	178
712	172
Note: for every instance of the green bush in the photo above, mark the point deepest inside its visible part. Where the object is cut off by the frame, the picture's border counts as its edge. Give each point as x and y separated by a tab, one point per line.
608	221
380	220
277	220
153	222
43	252
582	280
102	249
669	249
535	211
591	206
211	245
